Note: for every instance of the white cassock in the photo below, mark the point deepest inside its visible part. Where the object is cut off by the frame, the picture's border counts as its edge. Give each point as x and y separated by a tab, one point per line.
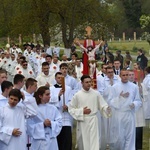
146	96
37	64
57	64
27	54
53	68
104	87
79	86
10	69
29	98
87	125
56	51
28	73
139	116
123	115
4	62
3	100
11	118
45	138
43	79
49	51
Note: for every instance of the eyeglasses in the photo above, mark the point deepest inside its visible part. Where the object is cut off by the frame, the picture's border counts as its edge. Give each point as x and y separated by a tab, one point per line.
125	75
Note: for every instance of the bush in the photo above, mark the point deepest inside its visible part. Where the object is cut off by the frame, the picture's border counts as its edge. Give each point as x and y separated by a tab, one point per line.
135	49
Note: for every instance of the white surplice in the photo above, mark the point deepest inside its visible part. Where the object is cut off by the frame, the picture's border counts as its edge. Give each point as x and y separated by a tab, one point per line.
44	138
14	117
66	117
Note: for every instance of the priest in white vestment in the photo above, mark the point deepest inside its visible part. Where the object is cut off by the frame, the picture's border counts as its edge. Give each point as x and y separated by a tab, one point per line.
84	107
45	78
61	100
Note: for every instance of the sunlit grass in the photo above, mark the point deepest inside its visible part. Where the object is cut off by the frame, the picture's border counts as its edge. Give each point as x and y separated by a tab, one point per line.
124	46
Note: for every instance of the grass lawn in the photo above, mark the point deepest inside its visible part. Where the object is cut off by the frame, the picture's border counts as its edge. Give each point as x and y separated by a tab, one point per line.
131	46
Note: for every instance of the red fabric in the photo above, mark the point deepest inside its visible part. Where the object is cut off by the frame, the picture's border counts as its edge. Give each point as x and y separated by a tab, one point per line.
139	75
85	61
87	43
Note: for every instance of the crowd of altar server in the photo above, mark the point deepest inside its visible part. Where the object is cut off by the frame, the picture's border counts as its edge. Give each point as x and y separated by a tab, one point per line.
37	113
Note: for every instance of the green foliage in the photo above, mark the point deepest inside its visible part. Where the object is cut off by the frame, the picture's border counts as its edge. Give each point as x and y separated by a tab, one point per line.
145	7
145	22
133	12
135	49
68	18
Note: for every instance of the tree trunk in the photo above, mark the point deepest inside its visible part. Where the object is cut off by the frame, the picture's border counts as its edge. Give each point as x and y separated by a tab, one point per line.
67	40
44	29
45	35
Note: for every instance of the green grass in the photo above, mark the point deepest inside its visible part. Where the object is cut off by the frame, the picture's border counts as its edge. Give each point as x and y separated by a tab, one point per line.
146	136
131	46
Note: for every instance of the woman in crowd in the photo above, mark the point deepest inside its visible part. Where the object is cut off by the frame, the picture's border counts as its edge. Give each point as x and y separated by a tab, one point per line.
45	127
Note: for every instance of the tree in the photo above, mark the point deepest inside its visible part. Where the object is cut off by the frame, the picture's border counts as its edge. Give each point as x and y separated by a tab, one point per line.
42	16
145	7
133	12
145	22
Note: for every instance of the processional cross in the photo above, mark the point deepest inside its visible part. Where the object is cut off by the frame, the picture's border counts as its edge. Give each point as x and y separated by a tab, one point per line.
88	42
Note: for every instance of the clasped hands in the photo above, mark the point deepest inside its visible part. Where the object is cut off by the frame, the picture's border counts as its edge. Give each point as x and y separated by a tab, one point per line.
47	123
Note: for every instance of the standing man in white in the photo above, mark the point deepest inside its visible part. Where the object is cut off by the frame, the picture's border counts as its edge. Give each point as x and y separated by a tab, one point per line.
125	100
84	107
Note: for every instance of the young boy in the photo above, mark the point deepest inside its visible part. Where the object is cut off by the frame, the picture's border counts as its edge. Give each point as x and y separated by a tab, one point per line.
6	87
12	122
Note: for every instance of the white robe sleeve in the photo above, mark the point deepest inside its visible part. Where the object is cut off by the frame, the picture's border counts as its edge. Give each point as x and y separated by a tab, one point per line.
103	106
5	132
137	101
36	129
69	95
56	125
54	100
31	107
77	113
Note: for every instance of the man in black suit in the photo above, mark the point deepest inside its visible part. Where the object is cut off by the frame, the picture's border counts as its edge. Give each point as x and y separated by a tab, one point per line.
117	66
